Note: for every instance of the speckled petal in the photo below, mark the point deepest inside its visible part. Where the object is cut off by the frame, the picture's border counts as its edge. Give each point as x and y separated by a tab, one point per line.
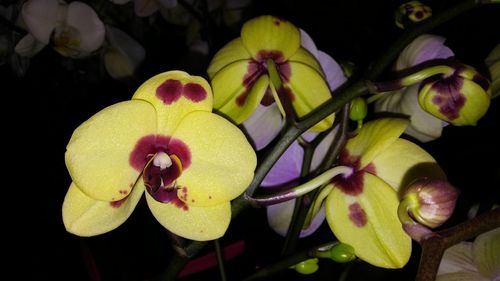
196	223
403	162
375	137
269	33
369	223
85	216
235	95
175	94
222	160
90	28
309	90
231	52
97	155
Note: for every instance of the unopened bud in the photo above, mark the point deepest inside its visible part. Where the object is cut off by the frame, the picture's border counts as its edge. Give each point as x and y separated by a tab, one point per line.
460	97
358	109
430	201
307	267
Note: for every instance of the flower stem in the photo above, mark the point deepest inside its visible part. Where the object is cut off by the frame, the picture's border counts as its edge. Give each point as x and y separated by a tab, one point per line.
220	260
303	188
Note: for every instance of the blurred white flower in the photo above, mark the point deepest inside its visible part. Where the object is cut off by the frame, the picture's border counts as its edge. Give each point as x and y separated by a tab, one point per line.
472	261
73	29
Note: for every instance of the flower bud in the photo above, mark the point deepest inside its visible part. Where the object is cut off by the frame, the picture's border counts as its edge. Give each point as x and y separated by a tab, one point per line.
413	11
307	267
342	253
430	201
460	97
358	109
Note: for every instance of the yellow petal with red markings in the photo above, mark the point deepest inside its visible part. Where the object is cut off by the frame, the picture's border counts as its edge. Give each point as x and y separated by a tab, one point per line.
308	89
238	89
195	223
85	216
403	162
375	137
98	153
231	52
369	223
303	56
175	94
266	35
222	160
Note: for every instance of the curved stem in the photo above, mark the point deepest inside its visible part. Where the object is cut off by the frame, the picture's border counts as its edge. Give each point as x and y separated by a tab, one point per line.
303	188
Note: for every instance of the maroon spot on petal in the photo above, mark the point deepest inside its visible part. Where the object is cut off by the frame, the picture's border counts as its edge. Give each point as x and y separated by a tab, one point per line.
276	22
254	70
168	196
352	184
276	56
286	93
194	92
117	204
169	91
481	81
357	215
123	191
448	97
268	98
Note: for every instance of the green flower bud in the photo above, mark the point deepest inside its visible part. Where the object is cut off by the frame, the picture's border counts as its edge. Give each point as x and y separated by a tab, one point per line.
410	12
430	201
307	267
460	97
342	253
358	109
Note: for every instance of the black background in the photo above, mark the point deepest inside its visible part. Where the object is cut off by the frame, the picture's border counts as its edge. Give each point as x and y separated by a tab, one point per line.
42	109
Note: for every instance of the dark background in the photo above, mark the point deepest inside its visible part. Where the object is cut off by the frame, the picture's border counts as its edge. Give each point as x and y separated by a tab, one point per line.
42	109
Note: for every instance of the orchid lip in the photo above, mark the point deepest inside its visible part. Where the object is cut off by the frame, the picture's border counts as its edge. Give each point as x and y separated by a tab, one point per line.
160	175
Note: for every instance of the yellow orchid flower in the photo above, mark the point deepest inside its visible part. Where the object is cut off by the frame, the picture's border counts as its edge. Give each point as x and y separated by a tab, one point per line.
166	141
362	206
267	62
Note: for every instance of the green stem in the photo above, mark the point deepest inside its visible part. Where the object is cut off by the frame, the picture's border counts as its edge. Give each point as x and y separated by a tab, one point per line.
220	260
303	188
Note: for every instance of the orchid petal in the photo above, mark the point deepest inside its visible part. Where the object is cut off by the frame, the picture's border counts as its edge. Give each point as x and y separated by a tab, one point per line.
424	48
124	55
333	72
28	46
486	253
145	8
287	167
270	34
195	223
403	162
308	90
270	117
41	17
307	43
279	217
424	127
375	137
90	28
322	149
236	96
456	259
85	216
369	223
97	155
222	160
175	94
304	57
231	52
